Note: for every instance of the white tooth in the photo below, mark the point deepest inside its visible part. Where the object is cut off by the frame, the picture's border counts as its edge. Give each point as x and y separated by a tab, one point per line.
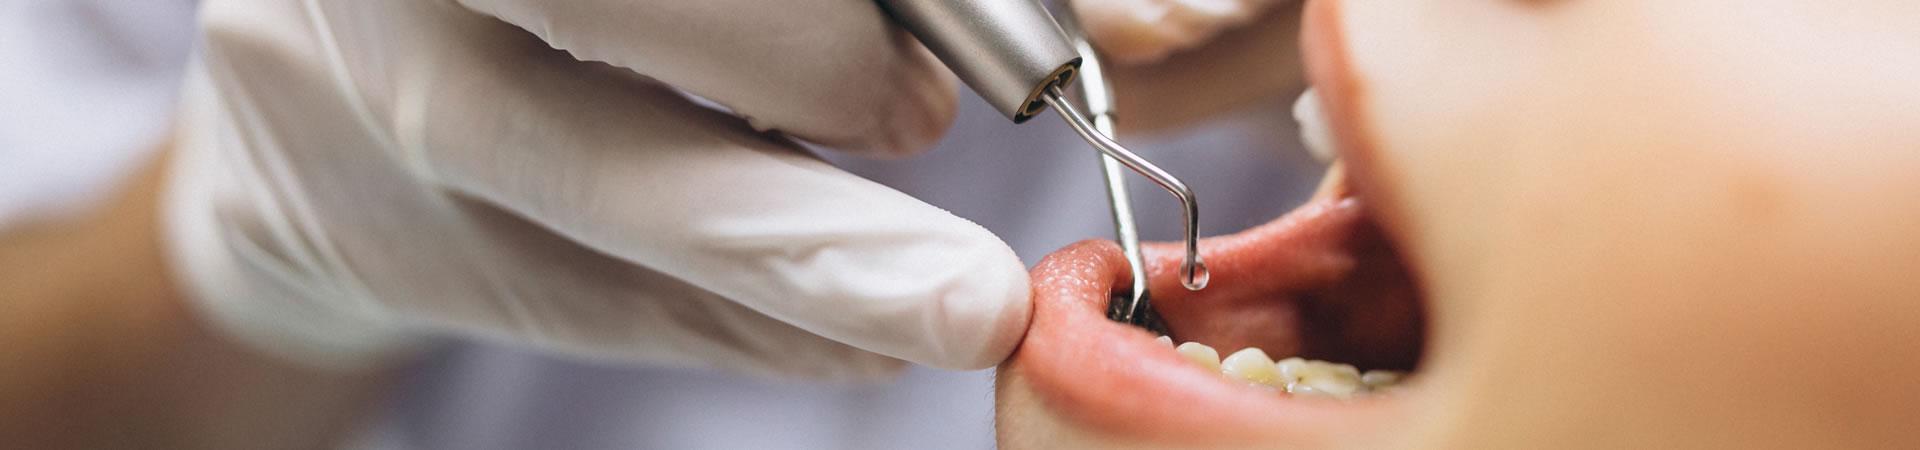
1200	354
1328	369
1291	368
1163	340
1377	379
1314	131
1333	386
1303	390
1331	379
1253	366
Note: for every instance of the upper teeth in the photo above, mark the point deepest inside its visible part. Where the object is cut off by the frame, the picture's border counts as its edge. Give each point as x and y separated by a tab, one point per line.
1313	125
1294	375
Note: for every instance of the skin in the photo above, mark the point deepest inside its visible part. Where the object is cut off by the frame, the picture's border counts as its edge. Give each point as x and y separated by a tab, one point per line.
1637	224
101	352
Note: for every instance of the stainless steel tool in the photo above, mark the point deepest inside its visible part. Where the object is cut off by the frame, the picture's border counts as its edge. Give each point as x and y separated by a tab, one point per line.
1018	58
1095	96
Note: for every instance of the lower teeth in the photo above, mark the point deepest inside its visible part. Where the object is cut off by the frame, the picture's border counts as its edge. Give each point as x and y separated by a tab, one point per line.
1295	376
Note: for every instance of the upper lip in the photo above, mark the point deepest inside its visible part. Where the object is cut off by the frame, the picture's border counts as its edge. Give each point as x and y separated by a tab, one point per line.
1330	70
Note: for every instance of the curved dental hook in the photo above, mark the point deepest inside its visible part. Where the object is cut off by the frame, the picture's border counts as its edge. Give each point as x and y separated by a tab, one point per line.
1193	272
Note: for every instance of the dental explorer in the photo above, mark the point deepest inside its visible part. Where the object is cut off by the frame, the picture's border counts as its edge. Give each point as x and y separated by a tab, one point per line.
1095	95
1018	58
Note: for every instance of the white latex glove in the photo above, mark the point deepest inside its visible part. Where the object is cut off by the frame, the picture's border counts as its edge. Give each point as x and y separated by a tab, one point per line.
354	177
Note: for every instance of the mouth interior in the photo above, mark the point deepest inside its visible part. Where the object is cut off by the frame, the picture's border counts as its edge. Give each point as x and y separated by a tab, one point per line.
1321	283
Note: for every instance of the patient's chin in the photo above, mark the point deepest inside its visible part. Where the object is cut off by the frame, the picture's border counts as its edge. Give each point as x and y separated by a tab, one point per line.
1318	283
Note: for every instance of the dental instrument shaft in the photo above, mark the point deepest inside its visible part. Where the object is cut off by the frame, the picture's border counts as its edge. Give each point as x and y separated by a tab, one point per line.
1096	96
1126	233
1017	57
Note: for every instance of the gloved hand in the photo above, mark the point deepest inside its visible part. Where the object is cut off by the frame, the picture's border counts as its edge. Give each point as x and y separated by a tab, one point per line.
1175	62
355	177
1145	31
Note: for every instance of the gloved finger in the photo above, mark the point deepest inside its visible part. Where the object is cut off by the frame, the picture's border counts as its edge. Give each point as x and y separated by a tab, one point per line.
1241	65
1145	31
638	172
834	72
584	302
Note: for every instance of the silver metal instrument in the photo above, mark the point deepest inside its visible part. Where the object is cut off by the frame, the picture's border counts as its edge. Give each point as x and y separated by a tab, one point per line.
1096	96
1018	58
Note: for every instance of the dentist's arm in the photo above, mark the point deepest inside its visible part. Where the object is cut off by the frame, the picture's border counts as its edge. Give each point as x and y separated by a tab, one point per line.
99	350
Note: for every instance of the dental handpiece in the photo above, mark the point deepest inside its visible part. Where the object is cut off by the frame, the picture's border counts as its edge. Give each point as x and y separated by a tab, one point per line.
1017	57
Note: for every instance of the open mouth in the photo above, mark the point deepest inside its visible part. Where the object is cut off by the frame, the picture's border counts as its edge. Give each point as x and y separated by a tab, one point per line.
1320	283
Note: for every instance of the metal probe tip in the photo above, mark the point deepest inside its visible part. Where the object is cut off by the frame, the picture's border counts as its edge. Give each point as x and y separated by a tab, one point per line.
1193	272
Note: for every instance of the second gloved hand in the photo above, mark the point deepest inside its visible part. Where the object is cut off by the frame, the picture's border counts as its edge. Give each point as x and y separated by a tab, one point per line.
353	177
1241	53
